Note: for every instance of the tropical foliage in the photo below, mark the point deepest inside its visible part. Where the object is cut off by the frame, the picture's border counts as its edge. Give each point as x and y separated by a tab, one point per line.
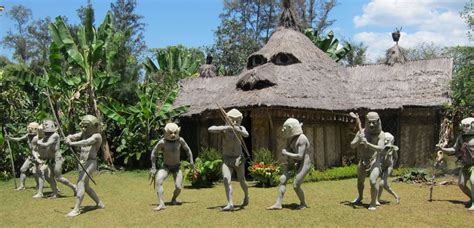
206	170
329	44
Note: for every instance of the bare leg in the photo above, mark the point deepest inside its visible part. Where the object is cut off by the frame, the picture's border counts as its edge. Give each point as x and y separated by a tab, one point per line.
374	188
40	172
462	183
178	186
297	184
36	174
52	181
83	187
23	170
360	183
281	190
227	174
58	170
472	191
243	184
384	185
160	178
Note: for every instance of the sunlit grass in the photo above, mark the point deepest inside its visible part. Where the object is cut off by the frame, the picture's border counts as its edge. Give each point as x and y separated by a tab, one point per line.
129	201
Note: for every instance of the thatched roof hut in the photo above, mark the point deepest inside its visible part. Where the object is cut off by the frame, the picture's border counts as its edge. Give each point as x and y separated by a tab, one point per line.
312	80
291	77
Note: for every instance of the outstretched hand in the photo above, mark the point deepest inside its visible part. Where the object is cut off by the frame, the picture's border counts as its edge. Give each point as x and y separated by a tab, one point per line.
67	141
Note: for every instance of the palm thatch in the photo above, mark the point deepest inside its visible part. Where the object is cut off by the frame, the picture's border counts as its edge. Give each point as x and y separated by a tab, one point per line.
415	83
306	80
395	55
290	71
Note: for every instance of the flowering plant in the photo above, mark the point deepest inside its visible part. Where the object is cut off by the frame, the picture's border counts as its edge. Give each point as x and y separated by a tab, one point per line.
267	175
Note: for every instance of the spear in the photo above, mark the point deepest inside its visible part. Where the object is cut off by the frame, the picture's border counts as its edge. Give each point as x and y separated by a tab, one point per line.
11	156
74	155
229	122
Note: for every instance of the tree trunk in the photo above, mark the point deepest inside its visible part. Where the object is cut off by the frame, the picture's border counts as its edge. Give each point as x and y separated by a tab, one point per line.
107	154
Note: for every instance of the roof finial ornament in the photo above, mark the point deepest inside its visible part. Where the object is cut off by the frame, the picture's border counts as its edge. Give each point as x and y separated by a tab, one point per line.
395	54
288	18
396	35
207	70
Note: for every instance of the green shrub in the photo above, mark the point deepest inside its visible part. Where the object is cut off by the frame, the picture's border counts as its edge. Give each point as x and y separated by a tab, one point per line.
207	169
337	173
210	154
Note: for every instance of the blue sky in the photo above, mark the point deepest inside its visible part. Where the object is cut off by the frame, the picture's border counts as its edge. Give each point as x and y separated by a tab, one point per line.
192	22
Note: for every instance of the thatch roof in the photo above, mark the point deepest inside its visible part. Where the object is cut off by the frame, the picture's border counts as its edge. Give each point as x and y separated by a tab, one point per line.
310	82
309	79
414	83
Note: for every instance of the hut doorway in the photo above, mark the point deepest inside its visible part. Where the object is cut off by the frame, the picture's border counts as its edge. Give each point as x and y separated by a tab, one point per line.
391	124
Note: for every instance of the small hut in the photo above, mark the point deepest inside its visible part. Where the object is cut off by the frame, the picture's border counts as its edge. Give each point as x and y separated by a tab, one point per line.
291	77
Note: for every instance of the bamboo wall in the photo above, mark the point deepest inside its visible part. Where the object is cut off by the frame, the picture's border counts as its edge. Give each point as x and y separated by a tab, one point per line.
329	133
327	137
418	136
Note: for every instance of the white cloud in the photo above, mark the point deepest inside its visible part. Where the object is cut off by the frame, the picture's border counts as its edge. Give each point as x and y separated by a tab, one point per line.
433	21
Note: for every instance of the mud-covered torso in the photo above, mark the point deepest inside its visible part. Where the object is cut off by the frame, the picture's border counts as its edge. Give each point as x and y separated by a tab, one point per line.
293	147
230	144
365	153
51	151
30	142
89	152
171	151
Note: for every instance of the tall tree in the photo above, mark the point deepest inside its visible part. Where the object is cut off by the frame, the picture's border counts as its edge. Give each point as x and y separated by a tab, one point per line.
18	40
132	48
125	19
315	13
38	33
232	46
425	51
468	15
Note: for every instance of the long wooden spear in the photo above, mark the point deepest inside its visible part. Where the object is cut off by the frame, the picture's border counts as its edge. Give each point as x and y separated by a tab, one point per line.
11	155
229	122
74	155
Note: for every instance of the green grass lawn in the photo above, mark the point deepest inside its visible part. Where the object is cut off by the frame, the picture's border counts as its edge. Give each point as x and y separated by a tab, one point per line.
129	201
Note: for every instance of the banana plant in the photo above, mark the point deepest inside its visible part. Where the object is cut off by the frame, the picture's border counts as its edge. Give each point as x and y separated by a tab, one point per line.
92	50
141	123
174	62
328	44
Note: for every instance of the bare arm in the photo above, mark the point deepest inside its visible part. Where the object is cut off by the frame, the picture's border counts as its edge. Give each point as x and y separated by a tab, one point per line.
377	148
158	147
242	131
355	142
452	150
298	156
52	139
218	129
74	137
18	138
188	150
86	142
301	150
